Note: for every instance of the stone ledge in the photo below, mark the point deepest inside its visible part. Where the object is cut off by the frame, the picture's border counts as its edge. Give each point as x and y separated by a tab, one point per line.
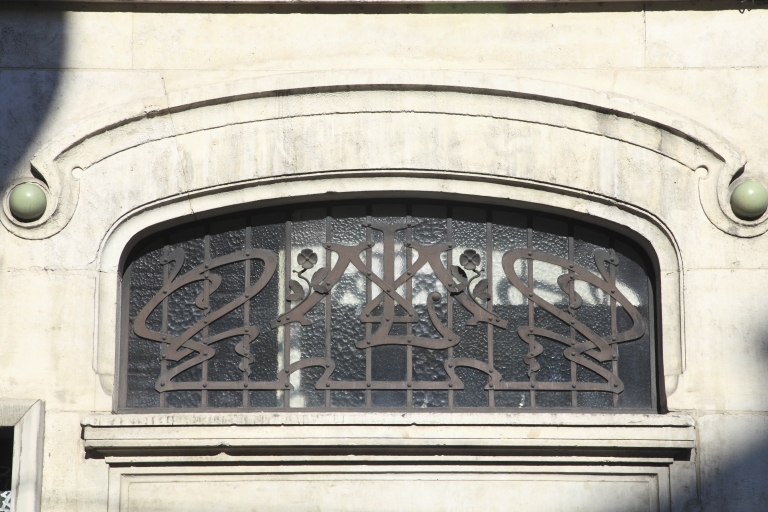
611	434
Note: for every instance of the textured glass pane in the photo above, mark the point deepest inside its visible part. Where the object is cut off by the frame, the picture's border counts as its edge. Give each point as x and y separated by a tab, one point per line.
633	282
348	399
553	399
388	398
424	399
348	300
267	350
517	399
244	296
225	398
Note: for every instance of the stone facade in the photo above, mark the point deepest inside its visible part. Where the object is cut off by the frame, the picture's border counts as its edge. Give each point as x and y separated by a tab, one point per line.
133	117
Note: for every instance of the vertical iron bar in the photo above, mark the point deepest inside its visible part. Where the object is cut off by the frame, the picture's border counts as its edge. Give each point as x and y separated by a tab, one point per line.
287	326
206	291
572	311
247	304
449	300
489	278
368	292
614	330
530	304
164	328
409	298
328	300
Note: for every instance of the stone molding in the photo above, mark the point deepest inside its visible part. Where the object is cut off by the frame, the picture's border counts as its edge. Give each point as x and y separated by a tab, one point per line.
28	419
147	434
63	161
174	451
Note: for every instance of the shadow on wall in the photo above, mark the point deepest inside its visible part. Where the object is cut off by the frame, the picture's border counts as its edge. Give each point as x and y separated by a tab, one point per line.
32	46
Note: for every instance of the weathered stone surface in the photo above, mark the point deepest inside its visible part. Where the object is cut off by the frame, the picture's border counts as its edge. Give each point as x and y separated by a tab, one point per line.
163	115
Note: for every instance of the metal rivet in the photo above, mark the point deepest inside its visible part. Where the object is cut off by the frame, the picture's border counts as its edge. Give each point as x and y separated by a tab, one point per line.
367	314
287	318
613	338
247	296
615	384
450	384
533	385
327	283
573	386
573	321
205	321
327	365
570	266
490	385
408	340
287	371
206	265
530	295
450	339
162	384
164	336
368	342
368	384
409	384
530	253
530	355
205	384
165	292
408	272
247	253
245	385
287	385
327	384
246	329
386	319
450	365
615	356
530	330
573	353
162	356
613	291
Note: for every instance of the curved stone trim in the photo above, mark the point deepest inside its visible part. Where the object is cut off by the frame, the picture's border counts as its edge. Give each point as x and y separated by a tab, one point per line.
389	93
641	225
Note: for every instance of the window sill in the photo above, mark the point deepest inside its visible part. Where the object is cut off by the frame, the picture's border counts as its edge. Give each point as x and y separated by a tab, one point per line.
216	434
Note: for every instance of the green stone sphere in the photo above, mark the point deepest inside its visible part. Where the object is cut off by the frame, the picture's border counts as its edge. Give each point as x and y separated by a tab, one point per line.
27	202
749	200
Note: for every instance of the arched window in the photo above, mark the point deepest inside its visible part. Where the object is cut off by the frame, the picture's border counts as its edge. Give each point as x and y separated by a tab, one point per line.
416	305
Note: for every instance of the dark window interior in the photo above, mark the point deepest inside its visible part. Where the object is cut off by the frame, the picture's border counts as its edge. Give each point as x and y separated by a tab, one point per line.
6	458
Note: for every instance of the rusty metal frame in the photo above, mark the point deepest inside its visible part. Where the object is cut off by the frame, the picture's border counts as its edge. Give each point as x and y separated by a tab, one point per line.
302	298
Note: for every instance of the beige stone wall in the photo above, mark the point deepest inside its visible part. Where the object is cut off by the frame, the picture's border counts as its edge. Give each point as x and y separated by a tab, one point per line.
72	71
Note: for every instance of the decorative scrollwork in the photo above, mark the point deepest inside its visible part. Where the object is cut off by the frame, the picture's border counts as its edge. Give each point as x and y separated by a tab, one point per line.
443	322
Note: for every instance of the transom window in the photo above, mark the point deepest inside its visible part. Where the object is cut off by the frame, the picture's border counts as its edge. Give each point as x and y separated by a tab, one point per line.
408	305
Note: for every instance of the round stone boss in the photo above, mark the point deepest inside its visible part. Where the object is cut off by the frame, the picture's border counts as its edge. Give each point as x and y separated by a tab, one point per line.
27	202
749	200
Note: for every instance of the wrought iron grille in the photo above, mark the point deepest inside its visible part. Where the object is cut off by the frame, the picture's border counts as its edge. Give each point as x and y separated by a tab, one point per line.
413	306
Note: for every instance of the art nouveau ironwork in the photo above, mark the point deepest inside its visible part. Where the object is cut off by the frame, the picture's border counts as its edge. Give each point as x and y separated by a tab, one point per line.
422	306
